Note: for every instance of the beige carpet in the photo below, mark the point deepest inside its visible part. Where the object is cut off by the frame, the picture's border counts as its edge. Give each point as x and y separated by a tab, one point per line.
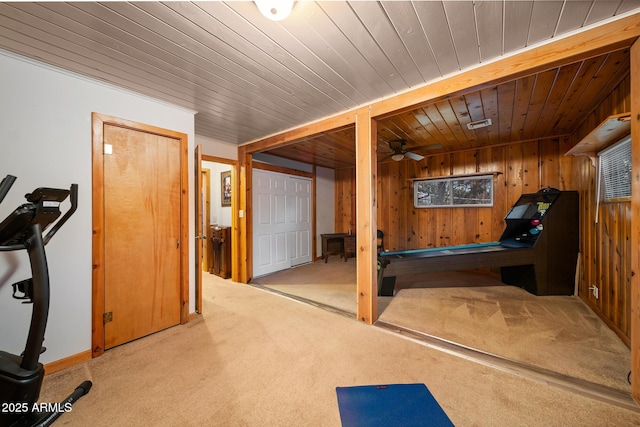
332	283
258	359
558	333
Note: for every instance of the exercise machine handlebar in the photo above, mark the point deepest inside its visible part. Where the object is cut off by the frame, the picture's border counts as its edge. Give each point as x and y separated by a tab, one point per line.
5	186
73	198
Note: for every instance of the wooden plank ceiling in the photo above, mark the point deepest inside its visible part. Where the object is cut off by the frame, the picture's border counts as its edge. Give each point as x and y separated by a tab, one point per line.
543	105
248	77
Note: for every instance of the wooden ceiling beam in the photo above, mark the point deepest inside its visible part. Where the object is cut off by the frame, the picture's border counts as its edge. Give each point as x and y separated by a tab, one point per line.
331	124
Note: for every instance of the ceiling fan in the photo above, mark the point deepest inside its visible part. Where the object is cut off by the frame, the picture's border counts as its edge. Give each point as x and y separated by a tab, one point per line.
399	147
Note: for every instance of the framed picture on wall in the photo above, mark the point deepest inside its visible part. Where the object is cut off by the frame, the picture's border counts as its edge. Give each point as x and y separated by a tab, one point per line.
225	188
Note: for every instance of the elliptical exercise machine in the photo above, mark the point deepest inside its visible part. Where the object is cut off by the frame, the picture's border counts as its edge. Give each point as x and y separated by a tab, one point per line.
21	376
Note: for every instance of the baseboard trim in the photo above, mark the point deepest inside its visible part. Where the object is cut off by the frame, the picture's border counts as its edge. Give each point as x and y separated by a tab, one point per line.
67	362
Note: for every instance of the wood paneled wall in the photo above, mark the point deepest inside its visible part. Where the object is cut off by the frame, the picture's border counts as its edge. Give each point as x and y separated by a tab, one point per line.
521	167
605	246
518	168
345	200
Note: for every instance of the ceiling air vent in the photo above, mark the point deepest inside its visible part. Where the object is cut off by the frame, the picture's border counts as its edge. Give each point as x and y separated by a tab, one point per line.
479	124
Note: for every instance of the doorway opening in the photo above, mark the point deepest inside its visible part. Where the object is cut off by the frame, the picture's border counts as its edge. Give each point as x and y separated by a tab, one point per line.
215	202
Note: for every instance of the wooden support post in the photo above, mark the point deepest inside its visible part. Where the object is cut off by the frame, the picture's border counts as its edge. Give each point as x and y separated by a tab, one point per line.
366	221
241	270
635	221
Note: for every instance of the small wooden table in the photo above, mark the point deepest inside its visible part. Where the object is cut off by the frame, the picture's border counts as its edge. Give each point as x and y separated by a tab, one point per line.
342	244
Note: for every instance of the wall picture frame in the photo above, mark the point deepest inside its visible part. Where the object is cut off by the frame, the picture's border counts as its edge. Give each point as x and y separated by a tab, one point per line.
225	188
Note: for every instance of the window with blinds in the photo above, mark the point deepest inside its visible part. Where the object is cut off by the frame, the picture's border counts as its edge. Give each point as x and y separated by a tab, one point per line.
615	170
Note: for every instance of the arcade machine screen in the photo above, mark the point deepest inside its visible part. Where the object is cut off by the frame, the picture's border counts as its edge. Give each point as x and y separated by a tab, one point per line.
524	220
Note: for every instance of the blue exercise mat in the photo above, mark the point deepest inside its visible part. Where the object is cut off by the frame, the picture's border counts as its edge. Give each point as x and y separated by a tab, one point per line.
401	405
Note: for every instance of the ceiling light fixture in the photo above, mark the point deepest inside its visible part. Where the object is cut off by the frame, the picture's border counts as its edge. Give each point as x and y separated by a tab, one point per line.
479	124
276	10
397	157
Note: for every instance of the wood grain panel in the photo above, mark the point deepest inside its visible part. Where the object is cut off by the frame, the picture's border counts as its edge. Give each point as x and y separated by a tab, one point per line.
383	202
634	305
97	242
344	199
400	191
485	215
538	102
522	96
530	168
552	114
506	99
406	227
413	226
100	267
242	267
366	218
605	245
142	238
549	163
513	173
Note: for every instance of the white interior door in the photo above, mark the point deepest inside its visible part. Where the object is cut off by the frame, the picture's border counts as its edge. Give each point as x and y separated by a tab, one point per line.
269	223
281	221
300	221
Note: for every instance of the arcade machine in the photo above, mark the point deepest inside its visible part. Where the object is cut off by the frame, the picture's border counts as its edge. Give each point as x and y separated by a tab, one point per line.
21	375
537	251
547	222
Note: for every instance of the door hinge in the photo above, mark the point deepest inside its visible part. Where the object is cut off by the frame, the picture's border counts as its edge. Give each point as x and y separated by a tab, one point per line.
107	317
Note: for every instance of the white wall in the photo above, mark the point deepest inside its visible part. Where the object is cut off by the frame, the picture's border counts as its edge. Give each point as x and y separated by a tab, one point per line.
45	140
220	215
214	147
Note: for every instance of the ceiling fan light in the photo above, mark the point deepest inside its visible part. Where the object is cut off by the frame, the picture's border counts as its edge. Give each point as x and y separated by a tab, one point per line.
397	157
276	10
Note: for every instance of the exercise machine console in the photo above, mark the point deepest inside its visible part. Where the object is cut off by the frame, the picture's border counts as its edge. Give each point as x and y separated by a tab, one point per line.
21	375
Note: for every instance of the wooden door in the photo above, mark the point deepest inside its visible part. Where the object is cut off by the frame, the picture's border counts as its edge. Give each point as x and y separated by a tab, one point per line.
206	221
199	225
142	236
